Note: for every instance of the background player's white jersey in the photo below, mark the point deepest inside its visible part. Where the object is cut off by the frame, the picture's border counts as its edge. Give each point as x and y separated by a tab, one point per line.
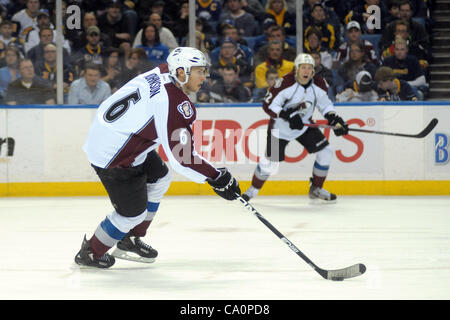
288	93
147	112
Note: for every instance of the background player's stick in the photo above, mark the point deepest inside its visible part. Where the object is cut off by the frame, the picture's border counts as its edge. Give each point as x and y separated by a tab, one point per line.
422	134
335	275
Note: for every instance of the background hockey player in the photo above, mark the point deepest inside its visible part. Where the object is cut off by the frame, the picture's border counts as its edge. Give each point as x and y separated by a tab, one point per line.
290	103
151	110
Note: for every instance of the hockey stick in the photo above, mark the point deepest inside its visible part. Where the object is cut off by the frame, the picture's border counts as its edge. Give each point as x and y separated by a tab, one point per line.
335	275
421	134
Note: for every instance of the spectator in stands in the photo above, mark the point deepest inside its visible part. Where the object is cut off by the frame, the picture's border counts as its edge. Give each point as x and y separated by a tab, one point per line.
324	72
112	67
136	63
165	35
243	51
263	39
332	11
80	40
93	51
354	36
157	52
402	30
358	61
10	72
29	88
26	19
116	27
329	41
46	69
227	57
181	28
359	13
166	9
407	67
256	9
6	38
389	88
274	60
229	87
89	89
43	22
36	54
277	33
362	89
418	33
229	30
312	43
245	22
271	78
278	10
210	10
393	10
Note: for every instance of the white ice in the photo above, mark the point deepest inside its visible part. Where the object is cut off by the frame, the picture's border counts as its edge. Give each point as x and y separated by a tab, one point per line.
213	249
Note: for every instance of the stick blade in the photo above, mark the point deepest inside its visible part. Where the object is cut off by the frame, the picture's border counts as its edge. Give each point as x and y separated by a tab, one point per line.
345	273
428	129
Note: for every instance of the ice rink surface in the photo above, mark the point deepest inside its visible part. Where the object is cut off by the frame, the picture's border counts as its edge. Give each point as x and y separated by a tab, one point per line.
213	249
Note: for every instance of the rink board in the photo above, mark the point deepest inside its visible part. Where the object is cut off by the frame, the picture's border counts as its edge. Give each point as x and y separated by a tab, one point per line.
41	150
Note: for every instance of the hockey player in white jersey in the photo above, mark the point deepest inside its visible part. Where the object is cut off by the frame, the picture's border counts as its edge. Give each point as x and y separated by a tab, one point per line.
152	109
290	103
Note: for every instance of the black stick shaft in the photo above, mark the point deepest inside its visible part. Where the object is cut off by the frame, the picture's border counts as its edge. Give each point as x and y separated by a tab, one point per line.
281	236
422	134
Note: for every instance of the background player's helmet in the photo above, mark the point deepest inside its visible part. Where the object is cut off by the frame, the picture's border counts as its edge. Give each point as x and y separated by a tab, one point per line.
304	58
185	58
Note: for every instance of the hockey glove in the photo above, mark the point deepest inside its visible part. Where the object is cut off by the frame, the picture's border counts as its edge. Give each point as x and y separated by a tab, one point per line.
294	119
335	121
225	185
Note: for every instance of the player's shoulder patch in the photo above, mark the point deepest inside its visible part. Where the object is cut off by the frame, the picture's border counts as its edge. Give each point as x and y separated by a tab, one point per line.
185	109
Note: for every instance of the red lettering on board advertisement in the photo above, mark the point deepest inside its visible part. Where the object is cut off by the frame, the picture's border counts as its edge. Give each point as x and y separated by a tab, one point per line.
216	139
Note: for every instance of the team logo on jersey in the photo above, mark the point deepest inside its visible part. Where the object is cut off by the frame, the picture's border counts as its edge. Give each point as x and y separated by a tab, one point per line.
185	109
304	107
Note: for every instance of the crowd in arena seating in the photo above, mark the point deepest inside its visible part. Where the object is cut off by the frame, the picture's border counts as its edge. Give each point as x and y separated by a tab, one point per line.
250	43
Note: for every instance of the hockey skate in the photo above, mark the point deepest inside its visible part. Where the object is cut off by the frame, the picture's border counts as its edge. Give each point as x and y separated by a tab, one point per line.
320	194
134	249
85	257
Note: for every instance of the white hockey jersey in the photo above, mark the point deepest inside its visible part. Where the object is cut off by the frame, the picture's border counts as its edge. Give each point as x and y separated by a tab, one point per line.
288	93
146	112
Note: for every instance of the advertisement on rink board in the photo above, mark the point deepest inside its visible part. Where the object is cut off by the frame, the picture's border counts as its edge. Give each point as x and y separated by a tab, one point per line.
43	145
236	138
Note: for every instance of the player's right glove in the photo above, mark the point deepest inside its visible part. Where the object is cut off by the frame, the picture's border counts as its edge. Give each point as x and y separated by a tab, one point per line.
336	121
225	185
293	117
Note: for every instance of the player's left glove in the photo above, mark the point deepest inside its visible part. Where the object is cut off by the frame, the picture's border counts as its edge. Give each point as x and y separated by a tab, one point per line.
225	185
336	121
293	117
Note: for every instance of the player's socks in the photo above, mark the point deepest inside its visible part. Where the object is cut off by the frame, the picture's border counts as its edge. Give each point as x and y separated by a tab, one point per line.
86	257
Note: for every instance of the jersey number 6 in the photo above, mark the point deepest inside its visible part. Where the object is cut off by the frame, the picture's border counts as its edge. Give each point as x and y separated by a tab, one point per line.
117	109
